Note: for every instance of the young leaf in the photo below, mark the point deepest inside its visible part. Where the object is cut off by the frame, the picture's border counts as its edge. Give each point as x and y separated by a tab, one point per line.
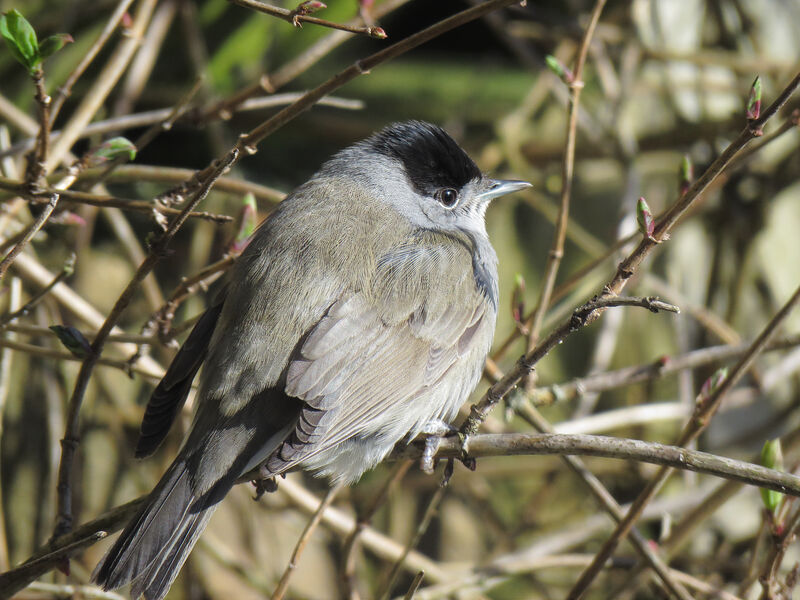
111	149
559	68
711	384
754	100
54	43
772	457
645	219
21	39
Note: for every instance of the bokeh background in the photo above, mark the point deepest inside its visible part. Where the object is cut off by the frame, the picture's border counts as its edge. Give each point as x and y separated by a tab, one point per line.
664	79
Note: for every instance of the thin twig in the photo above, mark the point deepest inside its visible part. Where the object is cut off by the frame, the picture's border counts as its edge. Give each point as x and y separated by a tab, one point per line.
30	304
296	17
666	365
158	115
102	86
122	365
176	174
311	526
492	577
65	90
351	544
568	165
32	230
36	168
412	589
53	553
430	511
269	83
105	200
71	438
610	505
581	317
703	414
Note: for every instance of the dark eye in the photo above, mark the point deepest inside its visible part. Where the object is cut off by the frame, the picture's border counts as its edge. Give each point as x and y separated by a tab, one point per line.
448	197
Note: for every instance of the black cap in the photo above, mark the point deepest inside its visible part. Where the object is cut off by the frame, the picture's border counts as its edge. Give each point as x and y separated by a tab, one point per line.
431	158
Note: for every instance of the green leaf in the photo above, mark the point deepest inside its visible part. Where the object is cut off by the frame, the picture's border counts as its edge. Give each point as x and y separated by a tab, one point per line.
111	149
21	39
772	457
54	43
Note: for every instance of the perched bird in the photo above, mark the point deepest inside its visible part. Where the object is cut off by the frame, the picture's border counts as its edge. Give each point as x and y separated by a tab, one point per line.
360	315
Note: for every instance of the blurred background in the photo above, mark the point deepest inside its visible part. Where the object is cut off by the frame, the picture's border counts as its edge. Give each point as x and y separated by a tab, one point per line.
664	80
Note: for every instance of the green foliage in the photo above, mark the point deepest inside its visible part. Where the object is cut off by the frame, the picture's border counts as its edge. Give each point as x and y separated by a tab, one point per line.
111	149
21	39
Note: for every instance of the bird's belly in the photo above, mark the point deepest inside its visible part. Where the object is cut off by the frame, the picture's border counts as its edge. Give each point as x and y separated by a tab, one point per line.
346	461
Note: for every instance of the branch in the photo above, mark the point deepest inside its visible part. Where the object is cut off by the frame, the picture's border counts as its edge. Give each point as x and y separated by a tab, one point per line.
580	317
71	438
300	15
666	365
610	505
32	230
141	119
559	236
104	200
311	526
36	169
65	90
53	554
66	271
535	444
269	83
703	413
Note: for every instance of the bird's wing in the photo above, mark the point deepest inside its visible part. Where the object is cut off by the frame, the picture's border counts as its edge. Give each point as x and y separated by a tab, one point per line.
171	392
376	351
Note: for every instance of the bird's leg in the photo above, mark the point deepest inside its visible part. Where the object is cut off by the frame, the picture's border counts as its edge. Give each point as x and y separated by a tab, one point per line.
434	431
265	483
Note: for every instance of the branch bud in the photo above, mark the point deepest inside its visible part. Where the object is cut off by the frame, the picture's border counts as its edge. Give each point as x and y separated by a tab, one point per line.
754	100
686	174
73	340
772	458
645	219
559	68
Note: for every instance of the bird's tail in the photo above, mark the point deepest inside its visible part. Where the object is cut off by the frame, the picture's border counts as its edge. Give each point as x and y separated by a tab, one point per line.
155	544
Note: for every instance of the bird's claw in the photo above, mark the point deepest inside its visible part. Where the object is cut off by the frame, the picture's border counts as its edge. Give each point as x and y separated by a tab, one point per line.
434	431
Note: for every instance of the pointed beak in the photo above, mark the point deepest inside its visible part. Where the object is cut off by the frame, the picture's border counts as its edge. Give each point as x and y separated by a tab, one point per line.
501	187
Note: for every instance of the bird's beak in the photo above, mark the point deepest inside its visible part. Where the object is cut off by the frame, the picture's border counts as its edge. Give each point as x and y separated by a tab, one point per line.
501	187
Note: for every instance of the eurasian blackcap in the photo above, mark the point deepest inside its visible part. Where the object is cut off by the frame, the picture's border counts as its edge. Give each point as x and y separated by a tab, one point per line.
359	315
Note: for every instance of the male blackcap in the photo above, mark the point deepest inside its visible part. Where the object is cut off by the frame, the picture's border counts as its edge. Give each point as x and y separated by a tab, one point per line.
359	315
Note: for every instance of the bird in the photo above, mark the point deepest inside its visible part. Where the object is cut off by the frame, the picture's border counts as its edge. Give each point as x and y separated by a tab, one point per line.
359	315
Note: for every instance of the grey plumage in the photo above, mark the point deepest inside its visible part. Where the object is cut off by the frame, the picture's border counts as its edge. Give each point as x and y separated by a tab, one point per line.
362	310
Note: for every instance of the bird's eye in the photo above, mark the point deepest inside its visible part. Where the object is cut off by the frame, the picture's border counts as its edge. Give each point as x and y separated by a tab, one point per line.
448	197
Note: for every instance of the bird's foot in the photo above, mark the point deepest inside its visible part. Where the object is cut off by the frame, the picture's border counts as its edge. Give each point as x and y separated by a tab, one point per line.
434	431
265	484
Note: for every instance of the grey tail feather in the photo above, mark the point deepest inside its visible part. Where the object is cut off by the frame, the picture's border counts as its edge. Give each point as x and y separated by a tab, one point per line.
154	545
